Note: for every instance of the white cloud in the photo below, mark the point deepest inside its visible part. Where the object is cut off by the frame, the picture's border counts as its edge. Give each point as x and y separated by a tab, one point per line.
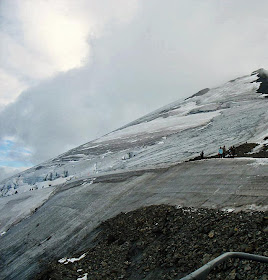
51	31
10	87
6	172
22	62
40	38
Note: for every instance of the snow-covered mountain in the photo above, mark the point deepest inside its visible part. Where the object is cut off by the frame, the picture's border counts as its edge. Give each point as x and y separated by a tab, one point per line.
67	197
230	114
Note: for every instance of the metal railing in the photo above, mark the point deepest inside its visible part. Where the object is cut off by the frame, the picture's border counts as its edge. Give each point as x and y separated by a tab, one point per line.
202	272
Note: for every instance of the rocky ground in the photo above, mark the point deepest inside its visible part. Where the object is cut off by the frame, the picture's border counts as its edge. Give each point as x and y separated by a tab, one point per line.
168	242
244	150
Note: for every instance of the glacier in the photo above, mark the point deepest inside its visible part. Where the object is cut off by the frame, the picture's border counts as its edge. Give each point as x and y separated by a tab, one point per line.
228	115
141	163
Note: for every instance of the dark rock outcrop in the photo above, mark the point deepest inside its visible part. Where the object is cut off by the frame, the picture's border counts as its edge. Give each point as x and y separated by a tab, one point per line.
167	242
199	93
263	79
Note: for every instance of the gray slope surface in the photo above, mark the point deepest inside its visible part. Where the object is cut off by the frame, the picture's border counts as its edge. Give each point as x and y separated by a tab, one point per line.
65	224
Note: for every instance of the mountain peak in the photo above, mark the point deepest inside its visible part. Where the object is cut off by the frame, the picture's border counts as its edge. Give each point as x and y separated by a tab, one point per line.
261	72
263	79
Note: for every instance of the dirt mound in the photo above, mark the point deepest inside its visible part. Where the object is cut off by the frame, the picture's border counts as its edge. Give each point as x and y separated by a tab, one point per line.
243	150
246	150
167	242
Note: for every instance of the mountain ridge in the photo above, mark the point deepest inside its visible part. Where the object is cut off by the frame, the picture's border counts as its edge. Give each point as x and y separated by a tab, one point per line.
172	109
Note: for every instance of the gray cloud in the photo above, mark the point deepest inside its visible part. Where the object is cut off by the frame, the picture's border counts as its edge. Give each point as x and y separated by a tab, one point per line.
168	51
6	172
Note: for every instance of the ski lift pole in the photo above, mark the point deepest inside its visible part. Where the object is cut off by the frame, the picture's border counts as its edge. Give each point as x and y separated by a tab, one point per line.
202	272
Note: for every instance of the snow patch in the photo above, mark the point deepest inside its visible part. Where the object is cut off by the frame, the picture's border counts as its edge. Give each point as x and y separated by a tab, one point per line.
16	207
228	210
71	260
185	109
173	123
255	207
259	161
84	277
24	187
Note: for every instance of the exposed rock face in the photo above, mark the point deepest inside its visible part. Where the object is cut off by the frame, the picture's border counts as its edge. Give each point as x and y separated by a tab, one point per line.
165	242
263	79
199	93
248	150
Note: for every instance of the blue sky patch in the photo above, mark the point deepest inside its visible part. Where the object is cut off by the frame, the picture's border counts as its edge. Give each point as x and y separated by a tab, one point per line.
12	155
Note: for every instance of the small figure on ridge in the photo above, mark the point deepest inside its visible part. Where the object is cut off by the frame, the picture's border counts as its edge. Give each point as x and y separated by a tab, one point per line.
220	152
224	151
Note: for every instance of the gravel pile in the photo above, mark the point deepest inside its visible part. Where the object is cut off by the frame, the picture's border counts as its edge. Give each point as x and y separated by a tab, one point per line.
167	242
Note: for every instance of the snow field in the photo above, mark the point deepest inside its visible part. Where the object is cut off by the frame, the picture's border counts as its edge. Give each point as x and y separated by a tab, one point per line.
227	115
14	208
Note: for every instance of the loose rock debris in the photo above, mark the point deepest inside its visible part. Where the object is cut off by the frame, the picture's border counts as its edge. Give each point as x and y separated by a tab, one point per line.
168	242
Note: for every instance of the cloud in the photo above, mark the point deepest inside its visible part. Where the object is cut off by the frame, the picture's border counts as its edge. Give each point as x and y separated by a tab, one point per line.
6	172
140	56
10	87
40	38
54	33
12	155
54	40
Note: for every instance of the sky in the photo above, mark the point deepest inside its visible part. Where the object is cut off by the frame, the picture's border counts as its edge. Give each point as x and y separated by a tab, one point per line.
73	70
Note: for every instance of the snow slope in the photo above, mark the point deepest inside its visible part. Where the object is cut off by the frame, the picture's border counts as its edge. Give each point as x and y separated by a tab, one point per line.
227	115
86	185
67	223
